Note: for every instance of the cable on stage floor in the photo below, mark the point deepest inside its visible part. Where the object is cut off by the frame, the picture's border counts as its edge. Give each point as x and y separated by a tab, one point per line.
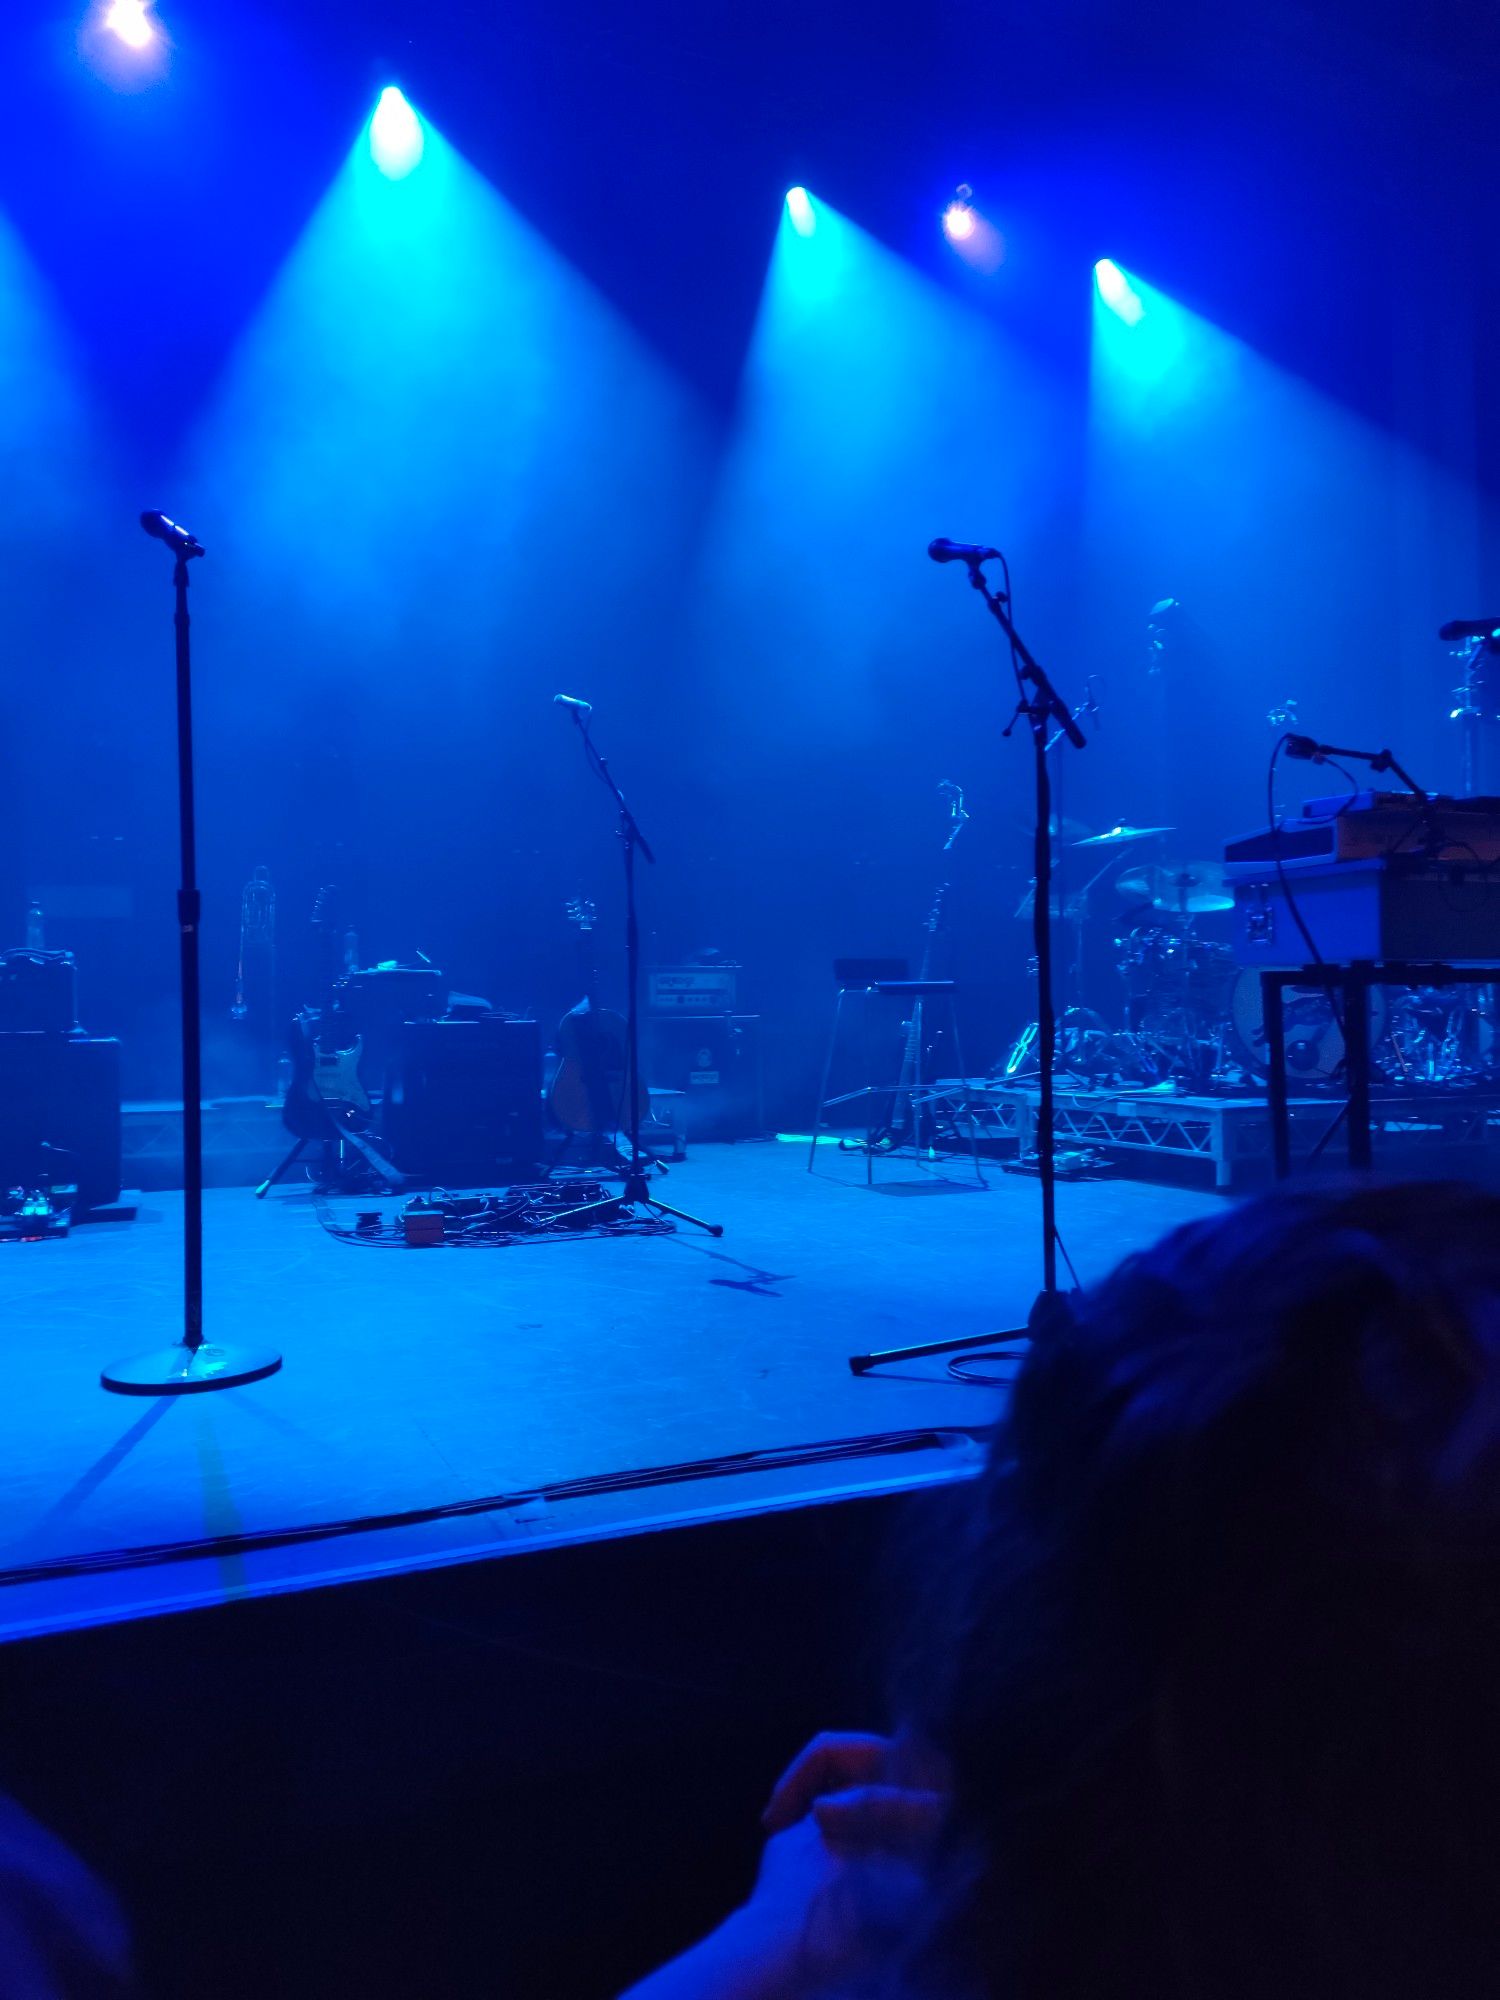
532	1212
957	1438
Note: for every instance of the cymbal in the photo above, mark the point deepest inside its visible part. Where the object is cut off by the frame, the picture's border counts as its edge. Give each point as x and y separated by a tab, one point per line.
1185	888
1118	836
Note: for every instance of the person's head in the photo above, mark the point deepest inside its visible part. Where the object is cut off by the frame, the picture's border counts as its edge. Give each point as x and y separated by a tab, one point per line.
1223	1696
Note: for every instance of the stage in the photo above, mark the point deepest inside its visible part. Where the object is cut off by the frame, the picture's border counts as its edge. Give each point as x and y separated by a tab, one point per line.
417	1381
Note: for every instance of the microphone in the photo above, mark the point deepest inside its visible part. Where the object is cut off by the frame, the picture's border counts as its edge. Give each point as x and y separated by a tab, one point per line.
177	538
1470	628
942	550
580	708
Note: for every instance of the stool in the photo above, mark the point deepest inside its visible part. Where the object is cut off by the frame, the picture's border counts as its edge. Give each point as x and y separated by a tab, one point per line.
868	981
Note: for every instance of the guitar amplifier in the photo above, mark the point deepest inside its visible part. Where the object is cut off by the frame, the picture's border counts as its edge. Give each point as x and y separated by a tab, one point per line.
36	992
693	989
714	1061
463	1102
60	1114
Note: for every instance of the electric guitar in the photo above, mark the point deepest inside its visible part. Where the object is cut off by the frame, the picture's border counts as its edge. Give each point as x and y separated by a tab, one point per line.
326	1098
592	1088
324	1081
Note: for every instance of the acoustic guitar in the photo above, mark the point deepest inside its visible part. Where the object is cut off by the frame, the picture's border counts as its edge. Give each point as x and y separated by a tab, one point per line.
591	1090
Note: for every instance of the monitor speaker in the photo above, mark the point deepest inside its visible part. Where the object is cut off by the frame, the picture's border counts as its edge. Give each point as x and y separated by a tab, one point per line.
463	1101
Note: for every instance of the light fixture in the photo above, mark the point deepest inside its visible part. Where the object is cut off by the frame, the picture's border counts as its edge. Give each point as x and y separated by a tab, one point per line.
396	138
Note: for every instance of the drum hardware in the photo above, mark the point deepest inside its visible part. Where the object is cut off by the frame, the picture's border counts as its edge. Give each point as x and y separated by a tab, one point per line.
1473	699
1088	1049
1314	1040
1440	1038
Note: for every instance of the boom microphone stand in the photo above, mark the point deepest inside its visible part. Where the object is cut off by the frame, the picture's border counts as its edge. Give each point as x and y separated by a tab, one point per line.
636	1192
193	1363
1040	703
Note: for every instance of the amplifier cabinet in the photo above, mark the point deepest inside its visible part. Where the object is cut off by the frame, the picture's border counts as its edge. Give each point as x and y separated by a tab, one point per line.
61	1091
692	989
714	1060
37	992
463	1102
1366	911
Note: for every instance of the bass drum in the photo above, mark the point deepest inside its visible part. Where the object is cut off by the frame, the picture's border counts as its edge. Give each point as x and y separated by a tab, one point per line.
1314	1040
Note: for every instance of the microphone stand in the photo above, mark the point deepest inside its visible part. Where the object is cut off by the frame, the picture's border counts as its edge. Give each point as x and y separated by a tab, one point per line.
636	1192
1040	703
193	1363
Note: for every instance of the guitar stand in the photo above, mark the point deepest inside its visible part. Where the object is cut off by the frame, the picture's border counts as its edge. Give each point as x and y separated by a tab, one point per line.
610	1160
280	1172
336	1144
636	1193
918	1096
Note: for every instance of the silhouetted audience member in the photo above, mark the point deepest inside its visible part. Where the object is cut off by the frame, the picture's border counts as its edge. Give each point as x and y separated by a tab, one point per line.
1215	1714
62	1936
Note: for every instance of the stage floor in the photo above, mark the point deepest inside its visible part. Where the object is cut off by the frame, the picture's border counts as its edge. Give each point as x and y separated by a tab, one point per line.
422	1378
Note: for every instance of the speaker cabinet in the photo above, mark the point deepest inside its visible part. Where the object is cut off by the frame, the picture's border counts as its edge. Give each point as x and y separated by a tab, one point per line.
61	1092
463	1101
714	1060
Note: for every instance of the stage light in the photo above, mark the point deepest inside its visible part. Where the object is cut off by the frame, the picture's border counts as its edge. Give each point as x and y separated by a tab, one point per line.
1117	292
396	140
799	211
971	234
130	21
959	220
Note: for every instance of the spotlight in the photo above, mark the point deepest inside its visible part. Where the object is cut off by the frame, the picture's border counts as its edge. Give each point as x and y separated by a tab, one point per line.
959	219
972	235
396	139
1117	292
799	211
131	21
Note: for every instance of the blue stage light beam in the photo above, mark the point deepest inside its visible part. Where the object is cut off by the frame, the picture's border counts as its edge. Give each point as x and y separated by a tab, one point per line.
1278	517
396	138
1117	292
800	212
874	404
426	371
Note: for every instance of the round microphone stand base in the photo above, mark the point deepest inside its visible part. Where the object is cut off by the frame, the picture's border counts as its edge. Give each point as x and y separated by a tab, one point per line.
181	1370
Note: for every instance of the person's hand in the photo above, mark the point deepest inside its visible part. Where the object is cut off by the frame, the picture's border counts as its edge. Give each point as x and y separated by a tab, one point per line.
869	1795
849	1822
816	1918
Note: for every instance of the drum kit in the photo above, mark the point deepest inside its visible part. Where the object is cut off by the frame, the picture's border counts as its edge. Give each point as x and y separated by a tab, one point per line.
1190	1020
